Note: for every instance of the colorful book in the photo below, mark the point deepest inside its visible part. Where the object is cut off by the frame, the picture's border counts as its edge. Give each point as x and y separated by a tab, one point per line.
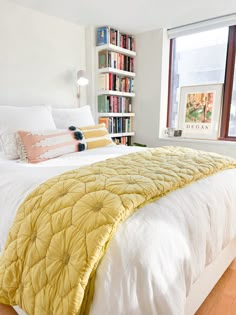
104	120
103	35
102	59
103	81
113	35
103	103
111	81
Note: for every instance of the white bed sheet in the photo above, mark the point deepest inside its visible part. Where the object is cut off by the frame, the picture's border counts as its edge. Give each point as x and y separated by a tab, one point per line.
159	252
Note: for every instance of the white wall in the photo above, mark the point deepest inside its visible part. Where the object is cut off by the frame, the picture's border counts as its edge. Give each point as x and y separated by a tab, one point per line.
147	87
91	68
39	57
151	88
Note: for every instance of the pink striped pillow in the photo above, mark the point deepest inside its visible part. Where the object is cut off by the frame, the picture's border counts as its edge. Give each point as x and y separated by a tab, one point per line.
38	146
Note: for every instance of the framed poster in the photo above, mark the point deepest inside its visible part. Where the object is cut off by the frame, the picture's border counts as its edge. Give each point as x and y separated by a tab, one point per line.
199	111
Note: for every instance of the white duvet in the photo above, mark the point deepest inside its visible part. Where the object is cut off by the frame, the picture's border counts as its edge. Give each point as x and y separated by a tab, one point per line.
159	252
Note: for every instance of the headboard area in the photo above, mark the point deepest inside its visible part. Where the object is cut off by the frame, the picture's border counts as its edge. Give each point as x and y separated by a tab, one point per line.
39	57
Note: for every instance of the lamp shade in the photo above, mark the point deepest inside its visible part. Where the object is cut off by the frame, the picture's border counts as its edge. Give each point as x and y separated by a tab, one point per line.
82	79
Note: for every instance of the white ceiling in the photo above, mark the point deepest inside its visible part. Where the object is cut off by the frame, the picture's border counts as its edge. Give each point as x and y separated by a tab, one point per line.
133	16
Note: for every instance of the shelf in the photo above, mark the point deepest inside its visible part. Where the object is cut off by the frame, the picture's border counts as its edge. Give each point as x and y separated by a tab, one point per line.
117	93
116	114
117	71
122	134
117	49
107	98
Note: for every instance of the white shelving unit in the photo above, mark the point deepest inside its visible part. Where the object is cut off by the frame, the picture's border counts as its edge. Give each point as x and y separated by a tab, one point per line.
120	118
116	93
117	71
117	49
116	114
123	134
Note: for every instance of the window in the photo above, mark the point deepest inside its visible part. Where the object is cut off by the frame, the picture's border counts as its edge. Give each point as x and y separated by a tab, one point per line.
232	122
205	58
228	130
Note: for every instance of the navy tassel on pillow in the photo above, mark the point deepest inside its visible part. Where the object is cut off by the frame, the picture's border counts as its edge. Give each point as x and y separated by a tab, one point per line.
72	128
81	146
78	135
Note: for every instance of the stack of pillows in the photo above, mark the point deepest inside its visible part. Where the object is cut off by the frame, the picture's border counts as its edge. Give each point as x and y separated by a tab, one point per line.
39	133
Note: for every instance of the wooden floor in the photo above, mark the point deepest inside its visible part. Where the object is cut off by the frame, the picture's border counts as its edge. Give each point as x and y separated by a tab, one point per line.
222	299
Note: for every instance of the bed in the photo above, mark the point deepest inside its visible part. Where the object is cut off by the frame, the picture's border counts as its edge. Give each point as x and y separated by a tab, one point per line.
158	262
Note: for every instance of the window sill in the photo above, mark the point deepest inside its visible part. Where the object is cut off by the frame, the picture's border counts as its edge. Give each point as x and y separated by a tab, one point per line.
203	141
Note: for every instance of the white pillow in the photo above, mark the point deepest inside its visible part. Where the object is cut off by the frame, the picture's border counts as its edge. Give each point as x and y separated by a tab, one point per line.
78	117
14	118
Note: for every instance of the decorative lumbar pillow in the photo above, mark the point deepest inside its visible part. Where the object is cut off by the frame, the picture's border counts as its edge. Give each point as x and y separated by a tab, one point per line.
38	146
79	117
95	136
13	118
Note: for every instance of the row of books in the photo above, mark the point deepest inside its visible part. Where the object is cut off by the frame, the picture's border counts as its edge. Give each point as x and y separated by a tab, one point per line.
122	140
117	124
108	35
114	82
115	60
114	104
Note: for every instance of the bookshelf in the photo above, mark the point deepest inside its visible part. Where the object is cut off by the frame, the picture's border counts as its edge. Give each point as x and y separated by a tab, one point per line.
116	114
117	71
117	49
115	82
117	93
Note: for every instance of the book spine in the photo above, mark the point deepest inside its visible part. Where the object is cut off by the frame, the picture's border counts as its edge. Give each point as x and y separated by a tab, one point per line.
117	84
112	59
123	41
133	44
102	59
103	81
129	42
107	104
102	35
109	59
104	120
111	104
128	66
118	61
102	104
110	81
118	38
112	37
127	63
132	64
115	104
122	62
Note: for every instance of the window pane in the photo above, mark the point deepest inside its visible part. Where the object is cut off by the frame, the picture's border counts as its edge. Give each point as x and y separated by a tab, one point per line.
197	59
232	122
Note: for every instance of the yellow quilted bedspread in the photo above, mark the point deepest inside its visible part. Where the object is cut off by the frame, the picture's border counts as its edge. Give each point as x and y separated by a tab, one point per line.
63	227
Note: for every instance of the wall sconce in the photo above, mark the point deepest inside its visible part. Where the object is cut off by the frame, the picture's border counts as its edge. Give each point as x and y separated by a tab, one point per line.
82	80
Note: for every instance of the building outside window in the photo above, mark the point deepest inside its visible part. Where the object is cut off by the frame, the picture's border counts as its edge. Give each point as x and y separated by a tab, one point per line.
204	58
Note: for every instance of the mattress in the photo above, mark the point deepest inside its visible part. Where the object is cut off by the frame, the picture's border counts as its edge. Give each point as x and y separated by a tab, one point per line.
159	252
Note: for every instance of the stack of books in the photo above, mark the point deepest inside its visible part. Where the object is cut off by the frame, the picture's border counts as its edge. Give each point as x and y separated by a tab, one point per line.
122	140
114	104
117	124
115	60
114	82
108	35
